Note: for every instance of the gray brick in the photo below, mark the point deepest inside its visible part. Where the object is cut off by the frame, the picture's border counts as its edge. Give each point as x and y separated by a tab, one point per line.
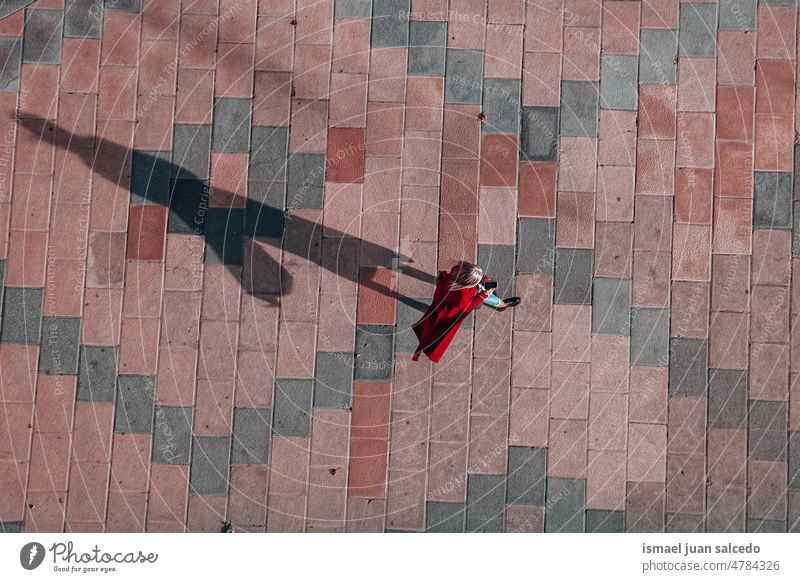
224	228
619	82
658	56
443	517
427	48
135	403
97	374
796	231
463	76
231	128
772	200
578	108
191	151
538	140
697	35
293	407
306	180
794	461
684	523
611	306
409	312
333	381
650	336
688	366
374	352
527	475
497	262
353	8
766	437
2	289
60	345
124	5
486	502
10	527
172	435
83	19
188	207
738	14
150	177
573	279
536	246
268	154
43	31
727	398
605	521
8	7
251	435
566	499
501	105
264	215
209	472
765	526
778	2
22	315
10	63
390	22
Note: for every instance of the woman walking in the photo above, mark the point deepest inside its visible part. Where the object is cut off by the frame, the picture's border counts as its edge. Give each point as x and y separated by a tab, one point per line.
457	293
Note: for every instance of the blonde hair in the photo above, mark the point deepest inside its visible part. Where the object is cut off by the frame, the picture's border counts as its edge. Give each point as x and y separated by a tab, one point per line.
465	275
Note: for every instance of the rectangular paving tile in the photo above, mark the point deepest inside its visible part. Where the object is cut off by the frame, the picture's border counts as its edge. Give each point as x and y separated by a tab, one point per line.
538	139
619	82
264	214
188	207
306	181
409	311
658	56
150	177
737	14
688	366
268	154
443	517
124	5
463	81
390	22
10	527
333	381
58	353
527	475
772	200
427	48
83	19
172	435
794	461
650	336
22	315
134	405
501	105
292	412
572	283
767	437
727	398
536	246
252	428
43	29
224	230
579	102
765	526
486	501
684	523
566	499
209	466
11	59
374	352
231	126
697	30
353	8
611	306
605	521
2	290
497	261
97	374
191	151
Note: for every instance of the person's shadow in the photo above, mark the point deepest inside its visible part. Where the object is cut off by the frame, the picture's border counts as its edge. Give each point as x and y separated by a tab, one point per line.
225	230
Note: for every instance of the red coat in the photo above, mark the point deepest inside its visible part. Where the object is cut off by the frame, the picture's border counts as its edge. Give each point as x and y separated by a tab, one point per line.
442	319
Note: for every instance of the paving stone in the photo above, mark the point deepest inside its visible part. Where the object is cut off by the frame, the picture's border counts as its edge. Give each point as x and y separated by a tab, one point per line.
697	30
268	154
11	59
353	8
727	398
463	76
150	177
224	229
22	315
765	526
427	48
264	215
527	475
772	200
619	82
536	246
409	311
767	437
538	140
43	30
124	5
60	345
486	503
443	517
231	127
191	151
684	523
658	56
97	374
333	381
10	527
497	261
579	102
2	289
566	499
605	521
82	19
611	306
306	180
251	435
7	8
688	366
794	461
501	105
573	276
134	404
738	14
650	336
293	399
188	207
374	352
390	23
209	466
172	435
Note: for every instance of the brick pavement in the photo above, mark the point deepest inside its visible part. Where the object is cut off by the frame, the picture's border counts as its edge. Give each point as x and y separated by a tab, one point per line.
218	219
